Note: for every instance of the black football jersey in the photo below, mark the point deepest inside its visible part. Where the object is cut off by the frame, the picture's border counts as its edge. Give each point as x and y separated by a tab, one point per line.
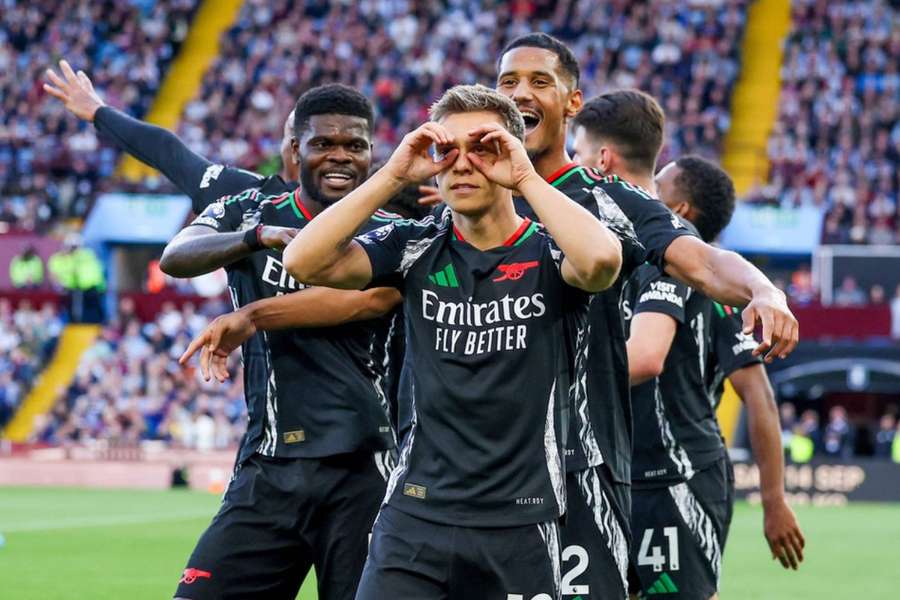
676	432
312	392
730	349
601	420
485	374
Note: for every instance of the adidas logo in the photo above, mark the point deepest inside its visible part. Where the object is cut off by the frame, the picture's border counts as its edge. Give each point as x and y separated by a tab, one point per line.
663	585
446	277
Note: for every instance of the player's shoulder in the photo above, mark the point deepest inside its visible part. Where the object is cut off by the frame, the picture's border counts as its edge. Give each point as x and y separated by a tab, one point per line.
617	187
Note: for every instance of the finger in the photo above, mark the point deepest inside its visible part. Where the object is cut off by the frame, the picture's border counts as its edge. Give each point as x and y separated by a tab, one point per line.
438	135
782	338
798	543
430	200
84	80
789	554
446	161
748	316
777	554
768	330
479	164
55	79
799	536
67	71
196	343
428	190
482	130
442	132
205	356
797	551
794	338
56	93
219	367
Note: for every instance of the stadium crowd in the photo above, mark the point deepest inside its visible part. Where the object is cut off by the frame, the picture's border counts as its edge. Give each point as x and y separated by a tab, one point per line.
129	387
836	143
804	437
403	55
400	54
28	336
51	165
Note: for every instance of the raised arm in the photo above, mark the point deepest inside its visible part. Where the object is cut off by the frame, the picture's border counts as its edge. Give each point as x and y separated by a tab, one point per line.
191	173
324	252
779	522
730	279
593	254
310	307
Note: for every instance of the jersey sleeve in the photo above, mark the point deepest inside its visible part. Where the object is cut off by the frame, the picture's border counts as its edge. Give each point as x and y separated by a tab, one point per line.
655	225
733	348
658	293
393	248
224	215
194	175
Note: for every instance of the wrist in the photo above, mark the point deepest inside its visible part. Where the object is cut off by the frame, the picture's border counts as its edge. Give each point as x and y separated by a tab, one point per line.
250	313
253	238
530	181
392	179
772	500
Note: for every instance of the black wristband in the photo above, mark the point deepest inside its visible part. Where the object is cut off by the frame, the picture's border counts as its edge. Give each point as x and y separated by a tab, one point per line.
252	238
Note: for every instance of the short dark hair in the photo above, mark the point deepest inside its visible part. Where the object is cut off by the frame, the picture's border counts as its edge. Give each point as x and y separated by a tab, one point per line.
563	53
709	190
331	99
631	120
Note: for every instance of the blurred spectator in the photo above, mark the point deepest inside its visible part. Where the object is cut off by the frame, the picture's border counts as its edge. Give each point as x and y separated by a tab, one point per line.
77	270
801	289
802	447
838	441
876	294
836	142
27	340
788	418
849	293
895	447
884	437
26	270
129	387
809	426
895	314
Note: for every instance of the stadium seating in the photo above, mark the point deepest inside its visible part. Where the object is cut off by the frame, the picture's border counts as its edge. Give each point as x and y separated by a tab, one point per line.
837	140
129	387
27	338
52	166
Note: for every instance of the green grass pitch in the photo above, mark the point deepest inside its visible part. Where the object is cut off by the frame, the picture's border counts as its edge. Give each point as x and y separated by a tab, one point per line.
74	543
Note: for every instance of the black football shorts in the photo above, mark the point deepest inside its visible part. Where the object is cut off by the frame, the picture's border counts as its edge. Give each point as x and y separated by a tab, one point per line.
280	517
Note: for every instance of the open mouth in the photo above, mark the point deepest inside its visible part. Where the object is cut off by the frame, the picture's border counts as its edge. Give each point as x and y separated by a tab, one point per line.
338	179
532	119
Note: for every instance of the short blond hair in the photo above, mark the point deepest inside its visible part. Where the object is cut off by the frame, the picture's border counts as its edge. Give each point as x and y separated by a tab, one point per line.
477	98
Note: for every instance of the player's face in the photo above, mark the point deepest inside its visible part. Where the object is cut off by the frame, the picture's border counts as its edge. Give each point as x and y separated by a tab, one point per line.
462	186
587	151
665	186
334	153
533	79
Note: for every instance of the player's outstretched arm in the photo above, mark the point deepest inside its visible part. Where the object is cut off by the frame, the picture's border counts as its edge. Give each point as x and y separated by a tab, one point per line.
191	173
593	254
730	279
198	249
780	524
324	252
311	307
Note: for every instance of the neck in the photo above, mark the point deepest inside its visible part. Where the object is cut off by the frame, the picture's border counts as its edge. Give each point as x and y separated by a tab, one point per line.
549	162
642	180
492	228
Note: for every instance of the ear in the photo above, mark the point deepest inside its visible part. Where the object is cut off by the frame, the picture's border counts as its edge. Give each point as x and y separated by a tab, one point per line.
605	160
295	151
684	210
574	104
